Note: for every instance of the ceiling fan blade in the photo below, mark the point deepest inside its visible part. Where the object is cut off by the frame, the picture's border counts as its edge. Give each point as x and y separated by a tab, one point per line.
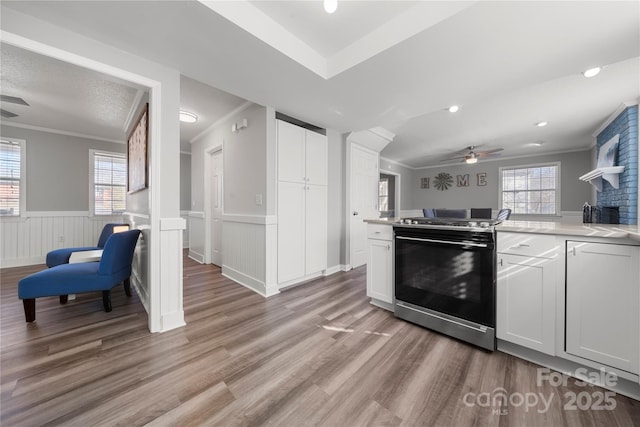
13	100
7	114
485	152
454	158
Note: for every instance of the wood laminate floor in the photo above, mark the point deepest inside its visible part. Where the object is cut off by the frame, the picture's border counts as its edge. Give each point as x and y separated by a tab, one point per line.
317	354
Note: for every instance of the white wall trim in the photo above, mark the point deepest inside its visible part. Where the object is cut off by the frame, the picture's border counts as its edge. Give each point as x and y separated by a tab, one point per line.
172	320
394	162
62	132
167	224
221	121
336	269
140	290
251	219
197	257
137	215
133	111
22	262
247	281
623	106
38	214
196	214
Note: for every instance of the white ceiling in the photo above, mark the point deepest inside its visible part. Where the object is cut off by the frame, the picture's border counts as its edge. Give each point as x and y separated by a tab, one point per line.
394	64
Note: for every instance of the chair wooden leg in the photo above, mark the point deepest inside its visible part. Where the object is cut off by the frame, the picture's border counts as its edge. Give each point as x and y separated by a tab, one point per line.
127	287
29	309
106	300
64	299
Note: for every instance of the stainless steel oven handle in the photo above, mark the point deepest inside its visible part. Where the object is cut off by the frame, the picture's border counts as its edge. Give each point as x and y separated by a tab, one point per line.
479	245
482	329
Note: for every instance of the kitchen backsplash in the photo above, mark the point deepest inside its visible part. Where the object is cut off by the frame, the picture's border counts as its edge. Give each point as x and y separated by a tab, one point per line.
625	197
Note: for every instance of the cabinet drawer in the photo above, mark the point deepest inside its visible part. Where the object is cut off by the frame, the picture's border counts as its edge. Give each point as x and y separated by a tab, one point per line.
379	231
537	245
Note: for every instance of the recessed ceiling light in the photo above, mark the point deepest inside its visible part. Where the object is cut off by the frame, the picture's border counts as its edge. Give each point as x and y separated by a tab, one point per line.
330	6
453	108
591	72
188	117
541	124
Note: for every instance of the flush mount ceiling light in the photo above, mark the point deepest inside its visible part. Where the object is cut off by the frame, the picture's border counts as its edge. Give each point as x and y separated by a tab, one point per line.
330	6
471	158
454	108
187	117
591	72
541	124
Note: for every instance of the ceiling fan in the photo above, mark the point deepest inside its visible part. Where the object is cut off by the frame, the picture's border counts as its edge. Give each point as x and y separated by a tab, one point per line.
14	100
473	155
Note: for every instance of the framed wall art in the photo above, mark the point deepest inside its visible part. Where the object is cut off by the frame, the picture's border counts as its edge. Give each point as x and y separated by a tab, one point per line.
137	153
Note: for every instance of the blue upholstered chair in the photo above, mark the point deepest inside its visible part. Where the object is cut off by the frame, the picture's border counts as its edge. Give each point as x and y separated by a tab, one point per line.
428	213
503	215
61	256
64	279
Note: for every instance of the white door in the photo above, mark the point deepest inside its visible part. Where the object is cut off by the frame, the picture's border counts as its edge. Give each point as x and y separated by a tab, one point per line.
216	208
363	203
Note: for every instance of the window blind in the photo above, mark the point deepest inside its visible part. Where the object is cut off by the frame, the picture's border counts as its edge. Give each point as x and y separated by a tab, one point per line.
109	183
10	161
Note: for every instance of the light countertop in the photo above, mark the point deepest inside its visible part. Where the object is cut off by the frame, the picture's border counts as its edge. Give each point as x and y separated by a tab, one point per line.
615	231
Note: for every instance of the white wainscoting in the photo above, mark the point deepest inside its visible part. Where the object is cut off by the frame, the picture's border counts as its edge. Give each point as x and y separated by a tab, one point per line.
26	240
196	228
244	251
185	233
141	261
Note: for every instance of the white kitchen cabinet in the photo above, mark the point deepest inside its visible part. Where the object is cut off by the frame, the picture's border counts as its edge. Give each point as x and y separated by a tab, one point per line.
526	290
302	155
302	203
603	303
380	265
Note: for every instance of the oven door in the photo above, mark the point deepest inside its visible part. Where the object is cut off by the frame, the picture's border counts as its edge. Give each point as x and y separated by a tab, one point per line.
447	271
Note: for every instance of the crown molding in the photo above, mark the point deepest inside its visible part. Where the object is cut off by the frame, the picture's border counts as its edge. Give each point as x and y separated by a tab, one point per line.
62	132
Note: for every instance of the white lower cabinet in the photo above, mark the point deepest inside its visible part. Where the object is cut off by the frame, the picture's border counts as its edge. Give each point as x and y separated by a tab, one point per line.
526	291
603	304
380	264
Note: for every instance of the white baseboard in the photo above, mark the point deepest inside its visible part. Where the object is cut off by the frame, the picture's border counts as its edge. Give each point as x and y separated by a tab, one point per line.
22	262
247	281
196	256
142	293
172	321
336	268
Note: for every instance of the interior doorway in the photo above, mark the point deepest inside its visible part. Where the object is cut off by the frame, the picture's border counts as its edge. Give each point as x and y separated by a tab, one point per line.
389	194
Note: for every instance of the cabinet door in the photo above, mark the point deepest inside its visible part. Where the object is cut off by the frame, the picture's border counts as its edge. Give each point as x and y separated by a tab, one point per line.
316	158
291	152
291	230
603	314
380	270
525	301
316	228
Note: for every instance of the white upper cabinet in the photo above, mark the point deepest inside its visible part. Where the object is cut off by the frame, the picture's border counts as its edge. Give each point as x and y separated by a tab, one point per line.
302	155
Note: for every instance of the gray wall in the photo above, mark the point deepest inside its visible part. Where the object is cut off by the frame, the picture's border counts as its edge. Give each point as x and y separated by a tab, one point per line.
57	168
573	192
245	165
185	181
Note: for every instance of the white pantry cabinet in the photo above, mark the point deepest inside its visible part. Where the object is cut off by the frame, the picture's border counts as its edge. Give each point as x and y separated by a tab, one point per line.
302	203
380	265
603	303
526	290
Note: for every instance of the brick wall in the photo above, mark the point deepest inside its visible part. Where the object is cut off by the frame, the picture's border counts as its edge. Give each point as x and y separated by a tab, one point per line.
625	197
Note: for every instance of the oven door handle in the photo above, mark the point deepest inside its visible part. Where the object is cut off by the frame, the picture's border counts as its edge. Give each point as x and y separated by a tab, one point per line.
479	245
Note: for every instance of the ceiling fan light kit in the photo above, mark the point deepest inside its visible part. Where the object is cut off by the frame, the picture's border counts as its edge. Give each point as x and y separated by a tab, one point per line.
473	155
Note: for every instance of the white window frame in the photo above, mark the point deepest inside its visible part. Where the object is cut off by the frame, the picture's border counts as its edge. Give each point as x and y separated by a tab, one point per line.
535	165
92	194
23	178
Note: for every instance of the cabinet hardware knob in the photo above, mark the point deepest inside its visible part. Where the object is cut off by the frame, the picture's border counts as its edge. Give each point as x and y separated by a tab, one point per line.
500	262
355	213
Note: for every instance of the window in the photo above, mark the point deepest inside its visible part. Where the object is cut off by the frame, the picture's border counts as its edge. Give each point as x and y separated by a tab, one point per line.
531	190
383	195
12	189
109	186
